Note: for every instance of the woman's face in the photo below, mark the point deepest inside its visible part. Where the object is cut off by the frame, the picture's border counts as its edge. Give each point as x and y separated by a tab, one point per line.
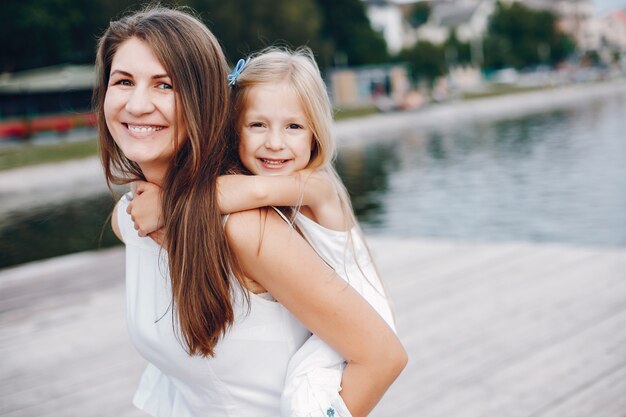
140	108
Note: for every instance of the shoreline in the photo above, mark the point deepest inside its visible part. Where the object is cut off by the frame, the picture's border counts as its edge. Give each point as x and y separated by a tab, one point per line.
39	185
479	109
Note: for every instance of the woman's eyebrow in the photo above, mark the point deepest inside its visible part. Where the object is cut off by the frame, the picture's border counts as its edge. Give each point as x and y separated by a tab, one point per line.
124	73
128	74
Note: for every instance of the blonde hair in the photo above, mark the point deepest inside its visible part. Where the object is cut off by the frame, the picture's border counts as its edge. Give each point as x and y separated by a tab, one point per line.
198	253
299	69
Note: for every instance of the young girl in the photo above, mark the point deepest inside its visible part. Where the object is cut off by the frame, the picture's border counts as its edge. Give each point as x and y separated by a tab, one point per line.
282	122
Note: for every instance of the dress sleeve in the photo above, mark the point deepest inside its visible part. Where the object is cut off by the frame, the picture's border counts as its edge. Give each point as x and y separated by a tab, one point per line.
313	382
124	222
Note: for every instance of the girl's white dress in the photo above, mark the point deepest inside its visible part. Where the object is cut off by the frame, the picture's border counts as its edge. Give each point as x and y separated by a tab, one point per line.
314	374
247	375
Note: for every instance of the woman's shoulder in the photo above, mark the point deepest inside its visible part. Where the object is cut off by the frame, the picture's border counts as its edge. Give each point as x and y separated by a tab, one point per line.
247	223
120	219
247	230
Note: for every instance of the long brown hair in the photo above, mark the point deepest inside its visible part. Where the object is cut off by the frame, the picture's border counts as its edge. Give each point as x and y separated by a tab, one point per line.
198	254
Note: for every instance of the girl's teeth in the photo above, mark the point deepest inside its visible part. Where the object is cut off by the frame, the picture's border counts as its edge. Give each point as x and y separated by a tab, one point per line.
269	162
144	129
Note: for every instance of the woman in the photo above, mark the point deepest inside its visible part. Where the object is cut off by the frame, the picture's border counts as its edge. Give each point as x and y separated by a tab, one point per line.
217	343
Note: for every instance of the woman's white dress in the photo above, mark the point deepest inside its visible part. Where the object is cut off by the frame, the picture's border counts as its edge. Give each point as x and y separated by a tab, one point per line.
246	376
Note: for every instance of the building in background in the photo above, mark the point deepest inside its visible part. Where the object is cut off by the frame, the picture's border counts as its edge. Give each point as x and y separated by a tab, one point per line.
46	99
575	18
469	18
384	86
390	19
612	29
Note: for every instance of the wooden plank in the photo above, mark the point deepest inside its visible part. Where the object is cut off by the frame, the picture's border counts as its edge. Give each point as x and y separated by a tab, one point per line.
491	330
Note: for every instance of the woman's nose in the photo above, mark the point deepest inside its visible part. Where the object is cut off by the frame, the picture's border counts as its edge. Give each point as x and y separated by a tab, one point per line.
139	102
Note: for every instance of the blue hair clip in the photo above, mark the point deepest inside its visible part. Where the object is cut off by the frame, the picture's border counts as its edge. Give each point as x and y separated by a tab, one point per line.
232	77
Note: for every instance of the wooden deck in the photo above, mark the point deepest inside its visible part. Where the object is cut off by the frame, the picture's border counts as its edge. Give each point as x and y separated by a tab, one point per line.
501	330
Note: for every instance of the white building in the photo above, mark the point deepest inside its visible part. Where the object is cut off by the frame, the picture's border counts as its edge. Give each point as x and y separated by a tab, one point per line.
575	17
469	18
613	30
388	18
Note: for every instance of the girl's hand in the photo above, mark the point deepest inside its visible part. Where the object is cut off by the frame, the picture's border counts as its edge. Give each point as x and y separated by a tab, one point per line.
145	209
158	236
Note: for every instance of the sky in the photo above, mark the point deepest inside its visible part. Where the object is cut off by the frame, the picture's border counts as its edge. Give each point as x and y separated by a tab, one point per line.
604	5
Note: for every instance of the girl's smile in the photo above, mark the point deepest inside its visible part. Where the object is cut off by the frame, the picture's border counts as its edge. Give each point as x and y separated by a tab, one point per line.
274	134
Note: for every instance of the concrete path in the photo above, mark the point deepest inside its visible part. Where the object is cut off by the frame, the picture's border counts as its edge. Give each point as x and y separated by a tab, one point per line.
501	330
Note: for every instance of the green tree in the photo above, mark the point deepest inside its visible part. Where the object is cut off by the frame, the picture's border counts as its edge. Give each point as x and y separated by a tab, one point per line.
420	13
426	59
244	27
457	52
37	33
46	32
520	37
347	30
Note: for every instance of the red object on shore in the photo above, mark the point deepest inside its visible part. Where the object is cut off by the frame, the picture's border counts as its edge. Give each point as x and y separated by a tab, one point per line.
60	123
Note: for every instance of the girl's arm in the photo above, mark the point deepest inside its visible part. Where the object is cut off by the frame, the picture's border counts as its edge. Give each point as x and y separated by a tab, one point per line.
239	193
279	259
246	192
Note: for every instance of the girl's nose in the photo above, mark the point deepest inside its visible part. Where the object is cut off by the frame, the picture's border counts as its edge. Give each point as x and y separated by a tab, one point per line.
274	141
139	102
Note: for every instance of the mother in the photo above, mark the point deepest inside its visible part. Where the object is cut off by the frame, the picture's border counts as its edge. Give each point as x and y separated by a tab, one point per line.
215	347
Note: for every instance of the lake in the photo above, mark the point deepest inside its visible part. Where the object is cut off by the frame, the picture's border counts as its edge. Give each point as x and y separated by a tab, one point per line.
552	177
558	176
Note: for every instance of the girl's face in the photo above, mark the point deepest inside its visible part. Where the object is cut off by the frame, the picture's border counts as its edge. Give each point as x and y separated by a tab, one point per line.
140	108
274	136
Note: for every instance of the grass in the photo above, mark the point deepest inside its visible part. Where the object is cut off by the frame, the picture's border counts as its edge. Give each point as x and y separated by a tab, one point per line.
31	154
501	89
341	114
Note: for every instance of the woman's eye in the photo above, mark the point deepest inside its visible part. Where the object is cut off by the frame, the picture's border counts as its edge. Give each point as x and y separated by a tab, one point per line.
165	86
123	82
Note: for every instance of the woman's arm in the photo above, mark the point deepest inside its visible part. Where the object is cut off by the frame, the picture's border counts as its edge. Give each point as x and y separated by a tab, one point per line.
274	255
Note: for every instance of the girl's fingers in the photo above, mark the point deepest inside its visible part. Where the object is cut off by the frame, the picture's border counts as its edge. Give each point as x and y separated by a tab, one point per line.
140	187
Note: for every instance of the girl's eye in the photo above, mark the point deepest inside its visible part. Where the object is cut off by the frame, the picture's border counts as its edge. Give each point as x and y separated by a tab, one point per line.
256	124
164	86
294	126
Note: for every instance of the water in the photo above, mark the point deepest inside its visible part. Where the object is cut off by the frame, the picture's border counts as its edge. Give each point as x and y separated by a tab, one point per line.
552	177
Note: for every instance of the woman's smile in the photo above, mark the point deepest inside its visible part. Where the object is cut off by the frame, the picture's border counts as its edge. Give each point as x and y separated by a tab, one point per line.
140	109
143	129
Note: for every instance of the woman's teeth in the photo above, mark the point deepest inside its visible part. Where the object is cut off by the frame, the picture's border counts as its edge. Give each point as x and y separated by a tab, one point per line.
144	129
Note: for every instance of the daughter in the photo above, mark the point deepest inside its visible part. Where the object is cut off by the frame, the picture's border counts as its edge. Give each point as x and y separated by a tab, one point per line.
282	123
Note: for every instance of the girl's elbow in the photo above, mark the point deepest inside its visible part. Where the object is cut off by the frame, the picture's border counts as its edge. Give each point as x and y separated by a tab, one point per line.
396	359
260	194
